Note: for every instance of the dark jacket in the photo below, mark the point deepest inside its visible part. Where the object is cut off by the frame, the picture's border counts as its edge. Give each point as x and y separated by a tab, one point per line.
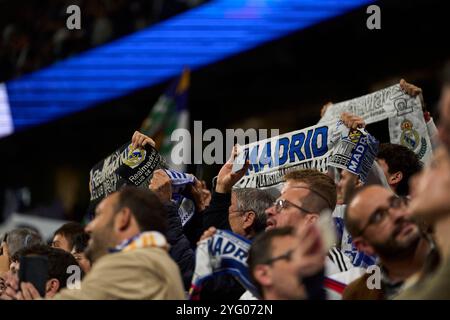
180	248
216	215
193	229
223	287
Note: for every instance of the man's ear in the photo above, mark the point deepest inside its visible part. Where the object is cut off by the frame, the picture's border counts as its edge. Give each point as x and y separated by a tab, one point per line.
364	246
263	275
122	219
311	218
395	178
249	219
52	287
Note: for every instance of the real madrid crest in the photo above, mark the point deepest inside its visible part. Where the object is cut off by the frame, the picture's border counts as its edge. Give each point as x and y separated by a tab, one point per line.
354	135
133	157
410	138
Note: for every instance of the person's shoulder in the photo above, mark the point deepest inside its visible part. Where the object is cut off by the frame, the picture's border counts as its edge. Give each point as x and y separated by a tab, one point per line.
358	290
134	257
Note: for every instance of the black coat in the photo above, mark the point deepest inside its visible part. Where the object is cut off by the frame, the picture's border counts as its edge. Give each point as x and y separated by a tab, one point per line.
180	248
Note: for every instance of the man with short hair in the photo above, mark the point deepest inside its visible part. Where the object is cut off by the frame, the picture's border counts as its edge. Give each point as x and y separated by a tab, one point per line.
271	268
239	210
305	194
129	251
64	236
378	223
399	164
246	214
286	263
72	238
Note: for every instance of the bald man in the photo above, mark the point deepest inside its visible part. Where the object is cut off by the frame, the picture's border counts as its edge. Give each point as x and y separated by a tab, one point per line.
377	220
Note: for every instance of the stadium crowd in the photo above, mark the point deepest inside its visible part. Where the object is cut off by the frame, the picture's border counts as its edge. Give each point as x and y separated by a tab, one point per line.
391	234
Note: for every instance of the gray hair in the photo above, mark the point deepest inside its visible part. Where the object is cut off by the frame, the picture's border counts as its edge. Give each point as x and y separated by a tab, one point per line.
256	200
22	238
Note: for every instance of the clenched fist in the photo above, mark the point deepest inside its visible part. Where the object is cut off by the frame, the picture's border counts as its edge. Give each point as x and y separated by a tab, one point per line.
161	185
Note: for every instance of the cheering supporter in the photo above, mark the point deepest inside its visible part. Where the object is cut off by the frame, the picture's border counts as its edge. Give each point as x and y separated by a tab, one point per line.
241	211
288	265
399	164
378	223
142	243
72	238
180	249
306	195
65	235
128	250
393	168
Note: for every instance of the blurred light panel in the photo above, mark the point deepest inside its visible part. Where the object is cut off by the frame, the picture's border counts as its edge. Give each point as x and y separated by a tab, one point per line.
198	37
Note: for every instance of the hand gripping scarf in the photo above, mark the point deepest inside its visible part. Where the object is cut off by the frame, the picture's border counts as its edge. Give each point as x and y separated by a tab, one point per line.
223	253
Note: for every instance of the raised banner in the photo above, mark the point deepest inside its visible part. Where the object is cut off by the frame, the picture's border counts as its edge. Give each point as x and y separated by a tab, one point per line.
355	153
272	158
125	166
404	113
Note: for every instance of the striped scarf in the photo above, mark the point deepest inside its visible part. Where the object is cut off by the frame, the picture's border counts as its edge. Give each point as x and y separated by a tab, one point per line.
143	240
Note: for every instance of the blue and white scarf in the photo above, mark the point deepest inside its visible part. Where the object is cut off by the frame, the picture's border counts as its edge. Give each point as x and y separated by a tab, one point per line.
186	206
223	253
355	152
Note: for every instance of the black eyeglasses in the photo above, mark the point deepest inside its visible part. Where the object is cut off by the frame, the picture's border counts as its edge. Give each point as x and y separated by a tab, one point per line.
395	202
285	256
284	204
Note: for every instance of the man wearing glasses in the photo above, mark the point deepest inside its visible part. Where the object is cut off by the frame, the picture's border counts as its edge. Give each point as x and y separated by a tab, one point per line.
305	196
378	223
284	263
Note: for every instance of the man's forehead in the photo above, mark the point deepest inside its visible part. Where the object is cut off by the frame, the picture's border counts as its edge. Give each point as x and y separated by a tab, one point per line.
111	199
370	199
283	243
292	184
58	237
296	192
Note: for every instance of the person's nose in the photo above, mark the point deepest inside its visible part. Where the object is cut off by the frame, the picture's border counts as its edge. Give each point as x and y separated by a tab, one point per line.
271	211
88	228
